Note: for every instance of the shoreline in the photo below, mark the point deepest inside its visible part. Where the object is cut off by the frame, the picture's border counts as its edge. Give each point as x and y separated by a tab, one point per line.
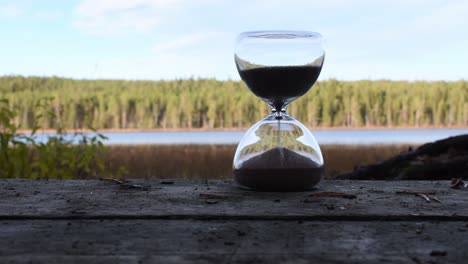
138	130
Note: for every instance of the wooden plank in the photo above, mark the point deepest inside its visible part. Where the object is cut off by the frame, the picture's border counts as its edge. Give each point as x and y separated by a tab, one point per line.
198	199
215	241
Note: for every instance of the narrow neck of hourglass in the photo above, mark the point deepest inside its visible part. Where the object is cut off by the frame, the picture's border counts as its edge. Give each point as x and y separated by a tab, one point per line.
279	114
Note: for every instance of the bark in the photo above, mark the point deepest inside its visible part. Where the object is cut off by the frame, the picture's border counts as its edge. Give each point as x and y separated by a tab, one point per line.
441	160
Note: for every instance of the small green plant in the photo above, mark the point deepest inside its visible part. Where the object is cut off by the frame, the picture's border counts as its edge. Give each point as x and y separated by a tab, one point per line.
14	151
61	156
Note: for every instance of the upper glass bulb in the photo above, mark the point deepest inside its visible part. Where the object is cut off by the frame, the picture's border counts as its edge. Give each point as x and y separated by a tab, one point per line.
279	66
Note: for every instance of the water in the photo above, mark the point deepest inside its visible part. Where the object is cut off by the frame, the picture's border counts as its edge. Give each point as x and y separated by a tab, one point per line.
324	137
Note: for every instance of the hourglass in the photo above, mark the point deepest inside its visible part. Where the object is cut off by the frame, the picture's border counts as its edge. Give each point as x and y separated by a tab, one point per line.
278	153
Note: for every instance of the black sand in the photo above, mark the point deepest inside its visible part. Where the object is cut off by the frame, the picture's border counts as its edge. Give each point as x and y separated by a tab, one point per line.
279	169
278	84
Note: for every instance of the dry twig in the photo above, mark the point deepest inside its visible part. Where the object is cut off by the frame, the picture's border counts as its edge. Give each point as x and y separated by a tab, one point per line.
426	195
333	194
114	180
212	196
457	183
416	192
124	184
134	186
211	201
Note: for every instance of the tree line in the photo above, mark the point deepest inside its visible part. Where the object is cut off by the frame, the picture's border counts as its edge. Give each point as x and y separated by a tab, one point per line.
210	104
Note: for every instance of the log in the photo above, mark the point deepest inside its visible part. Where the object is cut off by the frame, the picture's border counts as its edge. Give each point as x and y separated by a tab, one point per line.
441	160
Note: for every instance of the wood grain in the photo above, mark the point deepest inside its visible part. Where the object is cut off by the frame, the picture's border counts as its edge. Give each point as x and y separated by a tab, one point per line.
198	221
198	199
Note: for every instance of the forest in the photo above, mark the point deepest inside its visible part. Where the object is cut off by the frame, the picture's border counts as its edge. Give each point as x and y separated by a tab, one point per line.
214	104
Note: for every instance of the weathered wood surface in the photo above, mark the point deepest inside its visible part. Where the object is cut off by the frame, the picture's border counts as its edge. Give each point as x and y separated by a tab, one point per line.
215	222
175	241
186	199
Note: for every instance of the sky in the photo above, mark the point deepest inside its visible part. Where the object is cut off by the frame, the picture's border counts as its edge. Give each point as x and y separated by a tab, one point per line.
169	39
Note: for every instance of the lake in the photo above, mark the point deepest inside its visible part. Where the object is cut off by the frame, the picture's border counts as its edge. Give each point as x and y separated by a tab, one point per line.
328	137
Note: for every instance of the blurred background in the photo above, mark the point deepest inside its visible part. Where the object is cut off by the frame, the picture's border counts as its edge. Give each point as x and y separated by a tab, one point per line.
154	82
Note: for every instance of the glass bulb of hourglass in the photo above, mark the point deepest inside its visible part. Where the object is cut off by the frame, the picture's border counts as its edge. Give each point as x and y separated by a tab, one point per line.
278	153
